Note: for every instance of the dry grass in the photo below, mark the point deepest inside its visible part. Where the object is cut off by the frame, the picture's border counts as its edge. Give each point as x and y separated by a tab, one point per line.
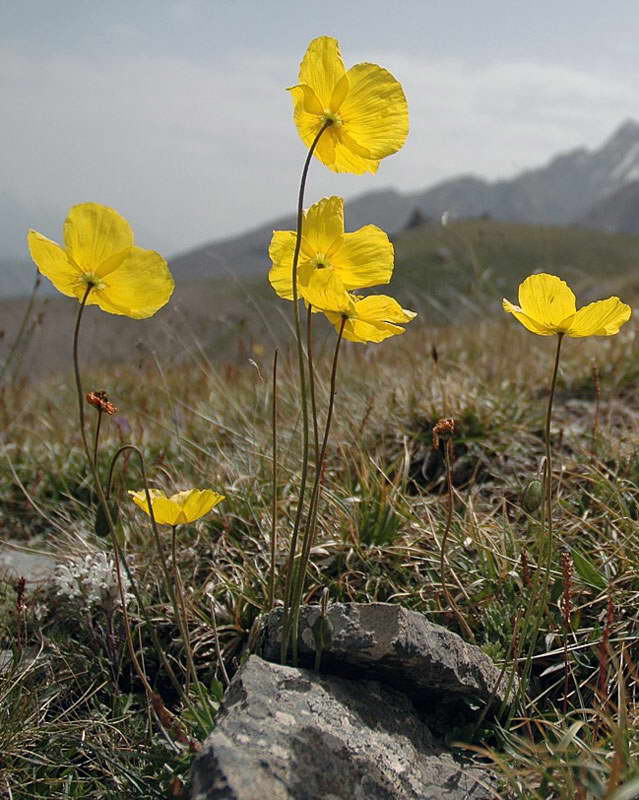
203	423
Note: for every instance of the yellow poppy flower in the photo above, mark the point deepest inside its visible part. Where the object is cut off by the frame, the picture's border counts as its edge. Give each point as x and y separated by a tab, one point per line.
547	306
368	319
179	508
365	106
361	259
99	252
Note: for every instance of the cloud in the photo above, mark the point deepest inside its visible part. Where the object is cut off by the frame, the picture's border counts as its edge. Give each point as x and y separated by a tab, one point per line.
191	151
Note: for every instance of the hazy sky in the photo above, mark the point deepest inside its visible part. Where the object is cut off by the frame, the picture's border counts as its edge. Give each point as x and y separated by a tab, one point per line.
175	111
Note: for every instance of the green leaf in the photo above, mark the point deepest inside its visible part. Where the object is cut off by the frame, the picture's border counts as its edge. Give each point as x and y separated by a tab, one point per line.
587	571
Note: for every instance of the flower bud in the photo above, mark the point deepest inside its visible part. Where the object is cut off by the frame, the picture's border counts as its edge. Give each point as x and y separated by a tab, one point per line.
532	496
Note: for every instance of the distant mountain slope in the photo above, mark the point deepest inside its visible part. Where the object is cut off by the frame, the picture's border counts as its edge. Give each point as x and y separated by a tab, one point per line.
468	266
446	273
247	254
558	193
617	213
592	187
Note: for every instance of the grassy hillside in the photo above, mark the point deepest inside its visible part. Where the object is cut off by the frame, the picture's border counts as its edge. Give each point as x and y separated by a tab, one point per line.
445	273
471	265
194	394
69	694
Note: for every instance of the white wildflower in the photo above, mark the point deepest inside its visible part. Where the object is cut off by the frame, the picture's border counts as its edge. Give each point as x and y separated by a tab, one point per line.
91	578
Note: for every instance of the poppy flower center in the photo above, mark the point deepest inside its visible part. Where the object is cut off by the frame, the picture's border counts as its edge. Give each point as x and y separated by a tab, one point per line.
94	282
320	261
331	118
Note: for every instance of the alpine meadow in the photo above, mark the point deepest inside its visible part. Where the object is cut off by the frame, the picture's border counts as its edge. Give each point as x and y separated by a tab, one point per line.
210	480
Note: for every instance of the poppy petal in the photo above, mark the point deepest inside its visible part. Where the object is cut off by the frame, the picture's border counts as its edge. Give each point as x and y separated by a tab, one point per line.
322	68
374	112
139	287
603	318
53	263
93	233
323	224
198	502
325	292
548	300
364	258
381	308
526	321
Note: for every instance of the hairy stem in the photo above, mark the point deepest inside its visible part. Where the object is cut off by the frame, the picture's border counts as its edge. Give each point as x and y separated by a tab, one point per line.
311	521
131	447
540	608
271	577
23	327
102	498
448	446
311	381
303	398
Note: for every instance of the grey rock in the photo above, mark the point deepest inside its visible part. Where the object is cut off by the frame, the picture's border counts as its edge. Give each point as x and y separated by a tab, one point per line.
286	733
394	645
35	567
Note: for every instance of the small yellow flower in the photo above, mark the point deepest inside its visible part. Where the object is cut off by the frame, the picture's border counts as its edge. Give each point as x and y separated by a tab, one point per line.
547	306
361	259
179	508
368	319
365	106
99	252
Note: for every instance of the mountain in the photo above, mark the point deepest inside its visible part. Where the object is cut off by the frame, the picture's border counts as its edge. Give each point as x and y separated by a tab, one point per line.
558	193
247	254
447	273
592	188
618	213
561	192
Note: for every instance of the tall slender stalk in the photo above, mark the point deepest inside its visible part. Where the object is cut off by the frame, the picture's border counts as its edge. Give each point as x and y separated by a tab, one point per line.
548	508
156	535
181	618
311	380
23	327
311	520
78	382
303	398
101	496
96	438
448	446
271	576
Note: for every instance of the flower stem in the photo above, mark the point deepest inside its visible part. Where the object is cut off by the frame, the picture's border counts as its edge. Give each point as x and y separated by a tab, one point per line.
23	327
311	520
548	498
160	651
311	380
78	380
102	498
548	508
271	577
96	440
182	622
448	446
303	398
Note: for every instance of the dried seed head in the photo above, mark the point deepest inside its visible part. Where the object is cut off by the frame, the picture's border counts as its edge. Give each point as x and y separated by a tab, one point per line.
442	429
100	401
20	588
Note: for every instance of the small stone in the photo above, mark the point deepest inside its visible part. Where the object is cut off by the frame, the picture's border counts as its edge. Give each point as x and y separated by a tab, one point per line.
396	646
281	734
